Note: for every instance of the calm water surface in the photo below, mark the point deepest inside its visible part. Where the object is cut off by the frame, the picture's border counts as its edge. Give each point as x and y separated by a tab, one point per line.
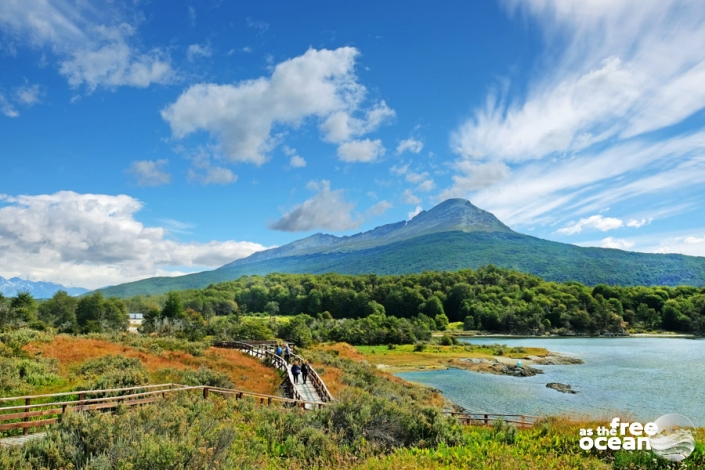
642	378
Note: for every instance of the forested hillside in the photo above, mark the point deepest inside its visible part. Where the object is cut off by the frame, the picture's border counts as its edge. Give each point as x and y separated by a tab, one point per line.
490	298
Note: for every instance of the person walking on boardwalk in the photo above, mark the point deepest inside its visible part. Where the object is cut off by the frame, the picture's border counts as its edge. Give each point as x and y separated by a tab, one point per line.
295	371
279	350
287	353
305	369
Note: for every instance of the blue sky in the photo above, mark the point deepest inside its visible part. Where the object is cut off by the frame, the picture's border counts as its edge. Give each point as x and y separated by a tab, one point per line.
143	138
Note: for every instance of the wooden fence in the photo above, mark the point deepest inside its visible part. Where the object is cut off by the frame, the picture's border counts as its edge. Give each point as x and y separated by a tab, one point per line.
521	421
49	410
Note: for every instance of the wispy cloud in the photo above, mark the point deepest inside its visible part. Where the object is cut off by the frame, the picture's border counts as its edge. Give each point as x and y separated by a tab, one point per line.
582	137
150	173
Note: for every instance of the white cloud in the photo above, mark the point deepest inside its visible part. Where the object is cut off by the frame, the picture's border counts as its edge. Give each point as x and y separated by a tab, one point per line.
639	223
195	51
412	145
578	140
361	150
93	240
240	117
426	185
629	67
593	222
342	126
212	175
414	213
410	198
150	173
28	95
617	243
7	108
326	210
93	44
692	245
412	177
399	170
297	162
378	209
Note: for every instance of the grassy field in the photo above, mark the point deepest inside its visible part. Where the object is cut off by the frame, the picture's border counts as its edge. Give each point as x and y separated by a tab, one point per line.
433	356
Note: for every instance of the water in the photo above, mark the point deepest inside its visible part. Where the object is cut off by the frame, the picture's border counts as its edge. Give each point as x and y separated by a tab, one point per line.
639	378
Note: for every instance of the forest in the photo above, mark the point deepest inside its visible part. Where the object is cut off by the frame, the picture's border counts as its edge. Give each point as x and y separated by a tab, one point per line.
371	309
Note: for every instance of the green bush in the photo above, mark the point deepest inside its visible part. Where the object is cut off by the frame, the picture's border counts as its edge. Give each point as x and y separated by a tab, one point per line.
420	347
109	371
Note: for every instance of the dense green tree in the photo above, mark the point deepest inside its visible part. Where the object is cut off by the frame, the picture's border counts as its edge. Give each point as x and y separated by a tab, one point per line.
60	311
173	307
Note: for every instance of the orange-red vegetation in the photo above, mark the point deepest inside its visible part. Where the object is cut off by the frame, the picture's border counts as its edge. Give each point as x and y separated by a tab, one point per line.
246	372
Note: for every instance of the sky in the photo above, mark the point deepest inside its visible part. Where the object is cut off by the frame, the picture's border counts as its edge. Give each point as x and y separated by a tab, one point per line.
161	137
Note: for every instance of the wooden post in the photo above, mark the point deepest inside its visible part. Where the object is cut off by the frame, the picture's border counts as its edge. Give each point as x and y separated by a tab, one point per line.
81	397
487	420
26	410
205	393
63	412
269	401
523	421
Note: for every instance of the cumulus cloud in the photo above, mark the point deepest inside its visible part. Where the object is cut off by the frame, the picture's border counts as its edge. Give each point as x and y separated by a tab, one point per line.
411	145
342	126
240	117
93	240
617	243
414	213
596	222
212	175
297	162
150	173
361	150
326	210
692	245
581	137
94	46
378	209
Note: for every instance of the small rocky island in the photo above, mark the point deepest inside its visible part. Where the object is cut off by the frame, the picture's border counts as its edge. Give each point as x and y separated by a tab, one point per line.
559	387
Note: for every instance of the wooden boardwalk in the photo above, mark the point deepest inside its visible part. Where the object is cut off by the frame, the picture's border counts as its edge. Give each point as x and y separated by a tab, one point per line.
315	390
35	412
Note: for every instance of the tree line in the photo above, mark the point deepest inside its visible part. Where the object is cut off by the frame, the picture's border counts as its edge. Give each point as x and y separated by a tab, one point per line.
489	298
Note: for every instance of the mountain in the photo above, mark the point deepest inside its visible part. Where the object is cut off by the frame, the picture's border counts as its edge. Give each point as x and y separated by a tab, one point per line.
453	235
39	290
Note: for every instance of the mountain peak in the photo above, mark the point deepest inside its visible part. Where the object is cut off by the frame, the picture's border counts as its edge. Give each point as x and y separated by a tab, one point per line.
457	215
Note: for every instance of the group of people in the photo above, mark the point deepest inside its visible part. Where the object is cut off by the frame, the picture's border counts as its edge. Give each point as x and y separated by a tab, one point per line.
296	369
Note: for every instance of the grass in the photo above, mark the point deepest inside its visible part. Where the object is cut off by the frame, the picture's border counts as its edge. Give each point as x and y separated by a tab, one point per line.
435	356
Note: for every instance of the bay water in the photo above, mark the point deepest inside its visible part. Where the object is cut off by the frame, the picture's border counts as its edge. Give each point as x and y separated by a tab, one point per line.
641	378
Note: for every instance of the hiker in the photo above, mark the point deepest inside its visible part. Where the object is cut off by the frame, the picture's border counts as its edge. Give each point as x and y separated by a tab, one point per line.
296	370
305	369
287	353
279	350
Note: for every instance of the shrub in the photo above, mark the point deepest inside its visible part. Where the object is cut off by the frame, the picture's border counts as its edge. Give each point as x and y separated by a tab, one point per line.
420	347
107	372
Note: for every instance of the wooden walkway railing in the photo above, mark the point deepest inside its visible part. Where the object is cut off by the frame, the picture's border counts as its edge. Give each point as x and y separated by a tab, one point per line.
50	411
521	421
266	350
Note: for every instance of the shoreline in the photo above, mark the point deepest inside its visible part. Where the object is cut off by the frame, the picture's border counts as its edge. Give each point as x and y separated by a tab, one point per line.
472	334
497	365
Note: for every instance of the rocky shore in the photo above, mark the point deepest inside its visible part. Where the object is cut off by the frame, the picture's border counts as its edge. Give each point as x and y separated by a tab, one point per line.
493	366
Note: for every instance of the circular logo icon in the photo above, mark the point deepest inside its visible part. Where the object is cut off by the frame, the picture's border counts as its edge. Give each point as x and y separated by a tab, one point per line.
674	440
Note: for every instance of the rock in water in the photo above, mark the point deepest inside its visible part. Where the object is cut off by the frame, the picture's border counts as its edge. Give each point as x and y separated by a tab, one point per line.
563	388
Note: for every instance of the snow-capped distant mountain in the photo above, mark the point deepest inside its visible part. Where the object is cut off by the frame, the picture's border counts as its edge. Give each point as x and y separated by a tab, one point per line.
39	289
